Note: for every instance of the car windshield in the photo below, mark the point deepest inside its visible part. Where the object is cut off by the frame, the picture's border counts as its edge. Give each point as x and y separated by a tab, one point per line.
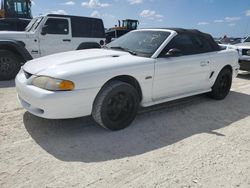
142	43
247	40
34	23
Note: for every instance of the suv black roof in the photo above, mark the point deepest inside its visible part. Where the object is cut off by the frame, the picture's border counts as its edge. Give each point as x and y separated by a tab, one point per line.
70	16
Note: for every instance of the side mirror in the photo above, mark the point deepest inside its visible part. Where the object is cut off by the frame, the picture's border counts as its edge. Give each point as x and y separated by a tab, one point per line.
173	52
44	30
108	39
101	42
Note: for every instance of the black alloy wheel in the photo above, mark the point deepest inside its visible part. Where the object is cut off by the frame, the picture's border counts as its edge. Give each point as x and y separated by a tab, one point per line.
222	85
120	106
116	105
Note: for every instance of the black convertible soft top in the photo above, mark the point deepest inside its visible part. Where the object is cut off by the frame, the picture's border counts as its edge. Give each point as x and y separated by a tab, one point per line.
194	32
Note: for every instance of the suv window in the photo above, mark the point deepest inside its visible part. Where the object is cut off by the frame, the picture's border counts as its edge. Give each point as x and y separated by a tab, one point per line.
183	43
57	26
87	27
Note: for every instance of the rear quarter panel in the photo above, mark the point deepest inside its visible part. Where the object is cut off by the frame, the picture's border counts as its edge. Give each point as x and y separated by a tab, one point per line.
220	59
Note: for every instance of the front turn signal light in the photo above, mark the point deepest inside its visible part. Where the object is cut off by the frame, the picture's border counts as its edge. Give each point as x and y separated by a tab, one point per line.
53	84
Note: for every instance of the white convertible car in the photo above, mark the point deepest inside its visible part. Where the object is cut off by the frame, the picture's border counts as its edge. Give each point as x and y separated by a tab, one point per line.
142	68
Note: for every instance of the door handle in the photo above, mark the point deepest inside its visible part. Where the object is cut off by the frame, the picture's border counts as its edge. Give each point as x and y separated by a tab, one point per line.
66	40
204	63
34	51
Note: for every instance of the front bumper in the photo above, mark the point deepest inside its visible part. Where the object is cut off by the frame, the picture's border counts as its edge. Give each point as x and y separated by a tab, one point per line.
244	65
244	59
54	104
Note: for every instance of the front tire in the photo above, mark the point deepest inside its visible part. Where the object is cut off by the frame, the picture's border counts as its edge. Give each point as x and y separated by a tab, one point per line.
9	65
222	85
116	105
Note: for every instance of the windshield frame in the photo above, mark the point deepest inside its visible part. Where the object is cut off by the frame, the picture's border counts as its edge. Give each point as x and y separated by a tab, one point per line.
247	39
34	24
150	54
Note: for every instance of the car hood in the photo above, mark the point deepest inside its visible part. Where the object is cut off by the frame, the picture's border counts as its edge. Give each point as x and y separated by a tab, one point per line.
242	45
81	61
12	34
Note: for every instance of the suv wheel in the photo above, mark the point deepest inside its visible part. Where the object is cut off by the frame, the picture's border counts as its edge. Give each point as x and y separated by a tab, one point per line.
222	85
116	105
9	65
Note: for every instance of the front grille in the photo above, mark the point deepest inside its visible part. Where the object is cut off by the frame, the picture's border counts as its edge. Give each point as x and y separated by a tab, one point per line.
27	75
246	52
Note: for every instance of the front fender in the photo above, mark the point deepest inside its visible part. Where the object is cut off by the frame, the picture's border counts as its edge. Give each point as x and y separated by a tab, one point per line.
16	47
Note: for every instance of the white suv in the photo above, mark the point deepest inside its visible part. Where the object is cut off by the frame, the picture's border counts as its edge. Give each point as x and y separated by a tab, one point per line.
244	54
47	35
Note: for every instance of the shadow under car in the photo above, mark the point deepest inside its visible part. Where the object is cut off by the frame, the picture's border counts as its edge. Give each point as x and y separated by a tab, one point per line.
156	127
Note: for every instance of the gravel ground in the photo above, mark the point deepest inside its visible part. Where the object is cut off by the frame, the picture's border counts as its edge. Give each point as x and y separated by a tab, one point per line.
193	142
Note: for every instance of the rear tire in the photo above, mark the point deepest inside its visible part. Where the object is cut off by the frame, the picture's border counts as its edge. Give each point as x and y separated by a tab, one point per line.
116	105
222	85
9	65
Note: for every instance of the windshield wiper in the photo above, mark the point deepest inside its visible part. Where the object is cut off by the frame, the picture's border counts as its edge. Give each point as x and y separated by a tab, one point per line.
124	49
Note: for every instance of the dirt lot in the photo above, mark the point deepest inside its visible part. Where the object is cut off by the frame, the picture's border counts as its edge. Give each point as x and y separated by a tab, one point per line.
195	142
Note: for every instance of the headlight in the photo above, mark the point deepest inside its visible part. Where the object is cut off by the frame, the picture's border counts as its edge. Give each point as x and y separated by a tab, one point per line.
52	84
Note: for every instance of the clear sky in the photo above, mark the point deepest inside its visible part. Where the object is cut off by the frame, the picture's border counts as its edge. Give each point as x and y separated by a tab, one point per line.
217	17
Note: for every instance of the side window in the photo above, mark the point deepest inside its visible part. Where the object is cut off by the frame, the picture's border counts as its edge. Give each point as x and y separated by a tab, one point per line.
202	45
57	26
182	42
87	27
81	27
97	29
